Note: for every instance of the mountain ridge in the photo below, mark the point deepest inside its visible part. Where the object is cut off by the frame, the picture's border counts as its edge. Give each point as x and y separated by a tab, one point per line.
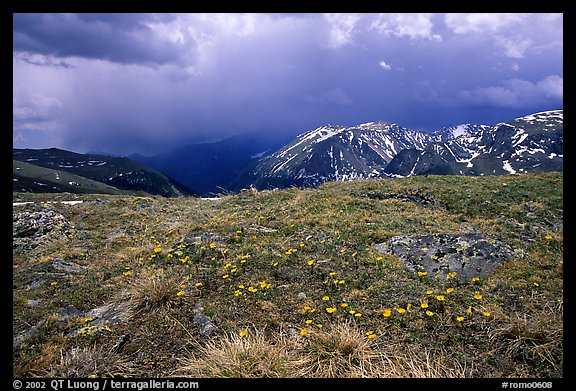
380	149
376	149
121	173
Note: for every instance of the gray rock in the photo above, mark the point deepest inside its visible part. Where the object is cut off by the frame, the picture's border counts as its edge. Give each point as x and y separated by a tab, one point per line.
26	334
68	312
204	323
425	199
38	223
31	229
34	302
67	267
204	238
469	255
108	314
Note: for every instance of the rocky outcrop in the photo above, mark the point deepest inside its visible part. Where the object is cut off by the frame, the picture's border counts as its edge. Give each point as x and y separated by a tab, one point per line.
31	229
468	255
422	198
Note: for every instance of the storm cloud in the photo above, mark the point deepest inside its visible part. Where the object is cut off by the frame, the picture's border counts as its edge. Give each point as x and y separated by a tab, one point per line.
144	83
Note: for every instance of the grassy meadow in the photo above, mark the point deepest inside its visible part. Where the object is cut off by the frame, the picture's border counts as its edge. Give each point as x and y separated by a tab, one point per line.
292	285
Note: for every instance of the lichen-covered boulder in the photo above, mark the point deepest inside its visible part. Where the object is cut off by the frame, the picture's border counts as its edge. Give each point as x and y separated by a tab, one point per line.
30	229
468	255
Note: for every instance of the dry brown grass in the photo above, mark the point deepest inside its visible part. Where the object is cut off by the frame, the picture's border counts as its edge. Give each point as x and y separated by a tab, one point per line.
155	289
342	351
93	361
234	356
423	362
534	337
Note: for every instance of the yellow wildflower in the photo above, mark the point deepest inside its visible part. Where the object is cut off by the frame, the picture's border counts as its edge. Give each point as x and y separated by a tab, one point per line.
358	314
460	319
401	310
198	284
486	313
420	274
252	289
325	298
243	333
157	249
424	305
429	313
475	279
449	290
387	313
469	310
180	293
478	296
319	325
311	262
308	321
409	306
440	298
303	332
429	291
225	276
344	305
331	310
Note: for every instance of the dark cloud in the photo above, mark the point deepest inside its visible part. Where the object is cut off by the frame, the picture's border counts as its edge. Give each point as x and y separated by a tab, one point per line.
146	82
122	38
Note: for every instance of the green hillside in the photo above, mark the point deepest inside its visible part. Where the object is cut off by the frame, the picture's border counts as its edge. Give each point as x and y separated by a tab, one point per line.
30	178
119	172
290	283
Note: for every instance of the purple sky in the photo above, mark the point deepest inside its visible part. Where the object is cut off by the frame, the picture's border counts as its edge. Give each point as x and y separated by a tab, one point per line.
144	83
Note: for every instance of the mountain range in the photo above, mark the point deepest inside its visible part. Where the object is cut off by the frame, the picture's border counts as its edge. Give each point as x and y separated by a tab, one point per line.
378	149
327	153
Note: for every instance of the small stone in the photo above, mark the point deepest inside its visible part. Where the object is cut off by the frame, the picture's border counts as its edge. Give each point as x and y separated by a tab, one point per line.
34	303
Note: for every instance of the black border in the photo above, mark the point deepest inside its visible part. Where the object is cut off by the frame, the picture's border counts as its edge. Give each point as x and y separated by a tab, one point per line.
26	6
